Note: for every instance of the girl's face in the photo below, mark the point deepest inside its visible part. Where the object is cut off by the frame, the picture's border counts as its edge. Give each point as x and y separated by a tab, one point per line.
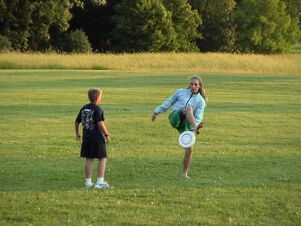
194	85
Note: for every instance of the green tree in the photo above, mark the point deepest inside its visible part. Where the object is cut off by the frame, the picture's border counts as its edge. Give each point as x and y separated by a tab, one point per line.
99	2
95	20
26	23
5	44
264	26
46	15
185	22
76	42
143	26
15	20
293	8
218	28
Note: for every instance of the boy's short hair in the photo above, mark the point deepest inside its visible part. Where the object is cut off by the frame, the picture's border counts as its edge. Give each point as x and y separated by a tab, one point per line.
93	94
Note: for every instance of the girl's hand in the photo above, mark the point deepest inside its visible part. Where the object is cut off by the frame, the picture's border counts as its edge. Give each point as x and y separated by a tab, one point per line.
154	116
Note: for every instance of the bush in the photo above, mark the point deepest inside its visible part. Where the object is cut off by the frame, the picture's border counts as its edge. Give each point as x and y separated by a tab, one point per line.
5	44
218	28
143	26
265	27
76	42
185	22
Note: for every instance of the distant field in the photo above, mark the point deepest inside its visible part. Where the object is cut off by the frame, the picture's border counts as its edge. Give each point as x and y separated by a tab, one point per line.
245	170
192	62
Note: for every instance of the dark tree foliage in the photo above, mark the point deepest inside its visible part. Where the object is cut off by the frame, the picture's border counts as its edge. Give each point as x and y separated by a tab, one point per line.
76	42
5	44
293	8
266	26
218	28
143	26
96	21
15	22
249	26
185	22
26	23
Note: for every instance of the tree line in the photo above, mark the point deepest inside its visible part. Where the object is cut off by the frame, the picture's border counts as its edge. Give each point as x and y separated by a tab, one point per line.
127	26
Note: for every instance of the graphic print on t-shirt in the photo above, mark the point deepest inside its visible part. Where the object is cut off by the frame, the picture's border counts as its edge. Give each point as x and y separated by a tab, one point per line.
87	119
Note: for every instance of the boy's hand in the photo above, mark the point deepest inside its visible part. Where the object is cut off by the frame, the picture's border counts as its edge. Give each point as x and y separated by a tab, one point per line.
78	137
108	138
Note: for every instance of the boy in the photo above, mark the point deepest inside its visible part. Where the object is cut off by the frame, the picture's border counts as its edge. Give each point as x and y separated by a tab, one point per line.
95	134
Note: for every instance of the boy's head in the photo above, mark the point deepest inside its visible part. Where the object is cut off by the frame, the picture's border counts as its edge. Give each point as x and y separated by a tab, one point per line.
94	95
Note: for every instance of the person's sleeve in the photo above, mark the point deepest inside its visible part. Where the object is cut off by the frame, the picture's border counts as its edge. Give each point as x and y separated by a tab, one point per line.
99	115
199	113
79	118
166	104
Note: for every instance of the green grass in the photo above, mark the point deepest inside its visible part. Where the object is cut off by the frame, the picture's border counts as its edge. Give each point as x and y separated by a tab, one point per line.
245	171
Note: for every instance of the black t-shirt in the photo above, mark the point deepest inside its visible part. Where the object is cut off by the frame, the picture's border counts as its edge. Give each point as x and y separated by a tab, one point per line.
89	115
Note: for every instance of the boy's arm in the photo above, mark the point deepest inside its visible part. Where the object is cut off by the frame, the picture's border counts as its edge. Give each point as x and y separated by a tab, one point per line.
103	129
77	134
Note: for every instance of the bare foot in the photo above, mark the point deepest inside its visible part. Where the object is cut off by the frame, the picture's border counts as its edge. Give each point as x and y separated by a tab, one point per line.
184	176
201	125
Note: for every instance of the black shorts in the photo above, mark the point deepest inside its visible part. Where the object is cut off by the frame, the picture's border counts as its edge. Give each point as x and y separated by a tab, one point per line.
93	149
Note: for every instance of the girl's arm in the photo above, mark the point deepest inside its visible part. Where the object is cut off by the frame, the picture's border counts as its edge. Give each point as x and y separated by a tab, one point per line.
102	127
199	112
166	104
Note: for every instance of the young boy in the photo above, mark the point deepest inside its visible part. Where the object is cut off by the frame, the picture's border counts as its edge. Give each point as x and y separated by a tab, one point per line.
95	134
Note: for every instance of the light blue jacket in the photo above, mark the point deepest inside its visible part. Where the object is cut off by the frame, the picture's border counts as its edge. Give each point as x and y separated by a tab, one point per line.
179	100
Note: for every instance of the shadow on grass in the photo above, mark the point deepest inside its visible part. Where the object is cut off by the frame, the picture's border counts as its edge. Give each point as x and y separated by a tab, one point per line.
60	174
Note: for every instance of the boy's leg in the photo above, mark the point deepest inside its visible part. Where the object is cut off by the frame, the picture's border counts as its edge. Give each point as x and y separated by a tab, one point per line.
101	183
88	168
102	167
88	172
187	161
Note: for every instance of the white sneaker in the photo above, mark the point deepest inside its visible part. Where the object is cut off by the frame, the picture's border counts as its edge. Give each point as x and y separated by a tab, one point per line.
184	176
89	185
102	185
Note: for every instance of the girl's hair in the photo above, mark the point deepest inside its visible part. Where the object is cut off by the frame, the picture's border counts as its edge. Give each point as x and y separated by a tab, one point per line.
93	94
202	88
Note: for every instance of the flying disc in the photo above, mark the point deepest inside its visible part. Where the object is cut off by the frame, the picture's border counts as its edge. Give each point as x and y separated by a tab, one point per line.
186	139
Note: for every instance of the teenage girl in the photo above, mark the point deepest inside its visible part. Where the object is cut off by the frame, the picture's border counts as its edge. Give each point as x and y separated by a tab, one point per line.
187	114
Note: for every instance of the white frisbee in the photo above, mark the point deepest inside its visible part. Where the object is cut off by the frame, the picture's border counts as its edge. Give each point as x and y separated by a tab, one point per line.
186	139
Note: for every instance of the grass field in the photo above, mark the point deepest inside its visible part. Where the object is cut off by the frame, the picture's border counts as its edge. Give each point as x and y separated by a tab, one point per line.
245	170
167	62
